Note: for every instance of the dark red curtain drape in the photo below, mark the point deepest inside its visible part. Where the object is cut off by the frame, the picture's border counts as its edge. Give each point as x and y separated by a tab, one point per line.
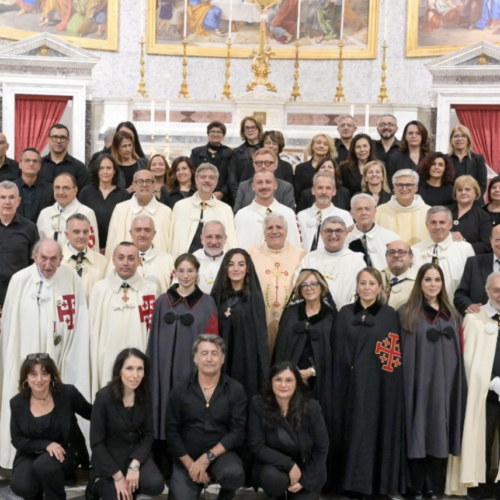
35	114
484	125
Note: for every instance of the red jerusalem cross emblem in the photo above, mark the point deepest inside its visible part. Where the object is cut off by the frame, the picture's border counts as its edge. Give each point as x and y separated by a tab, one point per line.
390	352
146	309
92	238
66	310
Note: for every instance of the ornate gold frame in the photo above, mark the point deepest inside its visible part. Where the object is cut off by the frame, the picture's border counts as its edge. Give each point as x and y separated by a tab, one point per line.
110	43
152	47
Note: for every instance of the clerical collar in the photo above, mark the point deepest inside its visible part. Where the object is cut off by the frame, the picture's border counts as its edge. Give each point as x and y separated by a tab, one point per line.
213	257
490	309
63	209
274	251
334	253
74	251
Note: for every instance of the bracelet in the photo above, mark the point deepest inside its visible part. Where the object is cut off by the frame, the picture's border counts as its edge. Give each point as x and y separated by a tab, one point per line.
119	479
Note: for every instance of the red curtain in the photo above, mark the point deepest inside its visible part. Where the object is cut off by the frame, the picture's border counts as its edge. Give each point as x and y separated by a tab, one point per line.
484	125
35	114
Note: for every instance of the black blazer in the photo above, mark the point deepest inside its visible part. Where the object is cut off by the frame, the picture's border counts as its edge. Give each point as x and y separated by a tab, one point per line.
115	439
240	167
67	403
471	289
44	196
284	171
473	165
399	161
175	195
312	438
201	155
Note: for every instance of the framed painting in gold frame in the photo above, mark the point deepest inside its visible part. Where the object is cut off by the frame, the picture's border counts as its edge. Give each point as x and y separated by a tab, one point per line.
208	21
438	28
90	24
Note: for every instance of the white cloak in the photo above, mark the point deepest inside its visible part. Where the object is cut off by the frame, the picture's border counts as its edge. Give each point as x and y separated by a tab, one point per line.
32	321
400	293
186	218
125	212
209	267
249	224
116	324
51	221
339	269
310	218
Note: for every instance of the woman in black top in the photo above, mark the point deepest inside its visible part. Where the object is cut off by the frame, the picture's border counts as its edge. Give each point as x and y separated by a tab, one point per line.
122	150
180	183
44	430
275	141
415	144
470	222
287	437
437	176
159	166
130	128
465	161
342	198
375	182
121	433
493	207
103	194
361	151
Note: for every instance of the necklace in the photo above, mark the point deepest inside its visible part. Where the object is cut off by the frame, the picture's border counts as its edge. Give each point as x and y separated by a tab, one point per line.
45	399
284	411
205	396
206	388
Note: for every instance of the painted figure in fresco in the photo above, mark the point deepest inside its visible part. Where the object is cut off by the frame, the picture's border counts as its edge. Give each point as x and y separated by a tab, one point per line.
203	16
61	7
27	6
491	12
282	20
89	16
166	13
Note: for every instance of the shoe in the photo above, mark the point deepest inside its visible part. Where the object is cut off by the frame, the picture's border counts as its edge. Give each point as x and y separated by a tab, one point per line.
431	495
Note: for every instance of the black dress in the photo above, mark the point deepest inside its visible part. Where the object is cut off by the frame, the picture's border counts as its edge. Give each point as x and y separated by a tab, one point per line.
177	195
304	173
495	216
433	196
473	165
241	166
342	199
474	226
399	161
351	179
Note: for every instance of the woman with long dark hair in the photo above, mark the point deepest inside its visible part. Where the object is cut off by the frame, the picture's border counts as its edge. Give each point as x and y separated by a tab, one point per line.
437	176
121	433
492	208
44	430
130	128
159	166
288	437
123	151
242	320
434	380
180	182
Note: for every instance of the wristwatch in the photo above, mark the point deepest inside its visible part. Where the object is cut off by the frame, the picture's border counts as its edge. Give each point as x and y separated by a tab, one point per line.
313	371
211	456
134	466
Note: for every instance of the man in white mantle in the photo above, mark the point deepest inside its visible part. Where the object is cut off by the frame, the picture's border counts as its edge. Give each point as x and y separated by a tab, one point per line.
311	218
45	311
338	265
192	213
142	202
52	220
440	248
121	309
249	219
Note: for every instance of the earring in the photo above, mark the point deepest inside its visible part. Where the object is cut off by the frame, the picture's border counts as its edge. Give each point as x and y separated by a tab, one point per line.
25	387
52	384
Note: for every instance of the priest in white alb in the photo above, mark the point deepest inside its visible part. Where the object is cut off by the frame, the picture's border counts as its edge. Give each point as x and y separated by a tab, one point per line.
143	202
156	265
121	308
405	212
338	265
311	218
52	220
45	310
249	219
439	248
192	213
89	264
367	236
275	261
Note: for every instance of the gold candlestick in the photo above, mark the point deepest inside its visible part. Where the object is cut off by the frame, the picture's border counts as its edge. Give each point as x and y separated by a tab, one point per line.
167	147
226	93
296	95
142	84
152	152
383	97
184	92
339	95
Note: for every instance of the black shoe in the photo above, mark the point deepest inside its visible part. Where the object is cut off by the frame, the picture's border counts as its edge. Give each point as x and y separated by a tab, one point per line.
431	495
91	490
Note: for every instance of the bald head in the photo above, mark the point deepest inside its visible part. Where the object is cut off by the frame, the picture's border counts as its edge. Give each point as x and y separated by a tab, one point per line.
126	259
47	255
399	257
144	184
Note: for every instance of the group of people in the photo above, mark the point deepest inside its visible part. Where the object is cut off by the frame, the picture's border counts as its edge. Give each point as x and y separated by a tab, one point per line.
233	319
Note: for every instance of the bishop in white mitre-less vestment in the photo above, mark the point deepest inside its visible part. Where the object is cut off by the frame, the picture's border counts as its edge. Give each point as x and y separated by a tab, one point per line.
339	270
249	223
52	222
120	317
47	315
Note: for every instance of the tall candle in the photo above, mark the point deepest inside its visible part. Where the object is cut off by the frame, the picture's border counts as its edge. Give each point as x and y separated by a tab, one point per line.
298	21
342	21
352	110
367	118
152	116
185	17
168	114
385	21
230	18
142	18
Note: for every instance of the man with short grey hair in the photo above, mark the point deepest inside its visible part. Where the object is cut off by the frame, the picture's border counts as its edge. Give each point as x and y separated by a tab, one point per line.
387	126
440	248
346	128
9	169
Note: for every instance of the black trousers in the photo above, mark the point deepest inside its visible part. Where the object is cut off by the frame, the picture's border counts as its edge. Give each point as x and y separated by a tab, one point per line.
428	474
38	475
150	483
275	482
227	470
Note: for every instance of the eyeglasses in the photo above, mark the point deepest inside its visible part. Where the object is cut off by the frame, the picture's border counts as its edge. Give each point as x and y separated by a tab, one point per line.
64	189
404	186
267	163
251	127
459	136
142	182
338	232
2	143
385	124
59	138
399	253
216	132
39	355
27	160
312	285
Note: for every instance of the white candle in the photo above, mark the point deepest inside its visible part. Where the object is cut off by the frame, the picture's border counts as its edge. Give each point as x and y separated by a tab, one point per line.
367	118
230	19
152	116
185	17
385	21
167	116
142	18
342	21
352	110
298	21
